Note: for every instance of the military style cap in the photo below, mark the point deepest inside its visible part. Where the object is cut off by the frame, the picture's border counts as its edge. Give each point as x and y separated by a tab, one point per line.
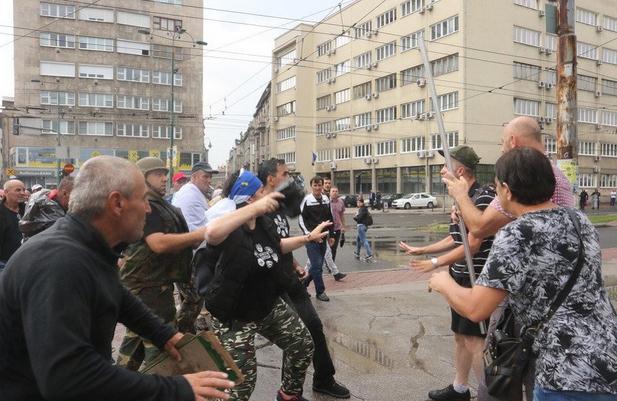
148	164
203	166
464	154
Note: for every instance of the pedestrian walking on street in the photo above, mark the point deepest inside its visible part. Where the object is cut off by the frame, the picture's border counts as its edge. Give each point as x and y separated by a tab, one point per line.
595	199
12	209
363	219
61	298
582	199
613	197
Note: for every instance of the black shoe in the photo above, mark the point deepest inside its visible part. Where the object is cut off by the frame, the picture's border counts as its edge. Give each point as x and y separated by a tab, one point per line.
449	394
335	390
339	276
322	297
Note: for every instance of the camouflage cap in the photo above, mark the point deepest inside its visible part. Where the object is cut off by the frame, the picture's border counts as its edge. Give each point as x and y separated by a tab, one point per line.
465	155
148	164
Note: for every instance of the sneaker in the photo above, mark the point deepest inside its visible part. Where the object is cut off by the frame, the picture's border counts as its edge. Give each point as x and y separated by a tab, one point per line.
449	394
297	397
322	297
369	259
356	255
335	390
339	276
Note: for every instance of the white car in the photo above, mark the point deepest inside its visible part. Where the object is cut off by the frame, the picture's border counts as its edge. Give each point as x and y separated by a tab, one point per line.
415	200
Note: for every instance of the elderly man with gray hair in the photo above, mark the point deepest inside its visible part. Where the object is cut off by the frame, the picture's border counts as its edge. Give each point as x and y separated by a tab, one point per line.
61	298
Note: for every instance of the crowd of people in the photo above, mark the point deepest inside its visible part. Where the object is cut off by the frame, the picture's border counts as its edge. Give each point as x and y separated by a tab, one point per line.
113	246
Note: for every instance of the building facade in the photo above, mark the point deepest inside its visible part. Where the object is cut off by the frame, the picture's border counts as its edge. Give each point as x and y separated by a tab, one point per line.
355	105
97	79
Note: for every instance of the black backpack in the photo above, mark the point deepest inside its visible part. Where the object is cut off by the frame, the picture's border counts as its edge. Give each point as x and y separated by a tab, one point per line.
369	219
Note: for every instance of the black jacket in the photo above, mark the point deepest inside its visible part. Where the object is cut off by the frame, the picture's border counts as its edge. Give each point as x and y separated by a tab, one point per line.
362	216
313	212
60	300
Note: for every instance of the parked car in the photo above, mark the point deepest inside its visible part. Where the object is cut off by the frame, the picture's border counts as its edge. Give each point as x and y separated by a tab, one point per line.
420	199
389	198
350	200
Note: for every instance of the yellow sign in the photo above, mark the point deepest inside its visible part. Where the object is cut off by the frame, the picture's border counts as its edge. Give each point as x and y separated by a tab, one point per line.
10	171
155	153
569	169
133	155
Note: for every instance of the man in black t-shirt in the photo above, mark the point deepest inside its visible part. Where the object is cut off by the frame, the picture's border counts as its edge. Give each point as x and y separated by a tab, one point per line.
11	210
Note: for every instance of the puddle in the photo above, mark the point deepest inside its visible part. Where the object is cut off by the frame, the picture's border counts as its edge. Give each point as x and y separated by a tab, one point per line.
385	245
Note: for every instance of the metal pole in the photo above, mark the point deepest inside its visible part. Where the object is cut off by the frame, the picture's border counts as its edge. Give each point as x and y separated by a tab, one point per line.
567	112
59	143
446	151
172	113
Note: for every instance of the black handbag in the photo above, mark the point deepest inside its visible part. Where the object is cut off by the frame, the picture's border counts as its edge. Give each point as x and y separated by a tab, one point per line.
508	353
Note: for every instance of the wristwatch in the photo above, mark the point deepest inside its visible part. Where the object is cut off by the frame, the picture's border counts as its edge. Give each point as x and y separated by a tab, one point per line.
434	262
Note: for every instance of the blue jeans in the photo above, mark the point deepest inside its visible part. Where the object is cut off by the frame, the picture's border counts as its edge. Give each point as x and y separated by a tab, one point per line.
362	241
540	394
316	254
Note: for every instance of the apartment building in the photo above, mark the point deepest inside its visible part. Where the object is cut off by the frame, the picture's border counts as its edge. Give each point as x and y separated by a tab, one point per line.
350	98
96	79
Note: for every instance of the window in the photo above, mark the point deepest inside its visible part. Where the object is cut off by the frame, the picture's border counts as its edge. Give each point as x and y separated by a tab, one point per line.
609	56
164	78
363	30
51	127
610	23
445	65
286	109
452	140
550	145
96	14
342	68
362	120
342	96
551	110
342	153
57	10
324	128
166	24
411	75
323	102
608	180
135	48
586	83
526	107
586	180
289	157
527	3
444	28
342	124
386	148
550	42
99	44
134	19
411	41
526	36
527	72
341	40
362	90
324	75
323	48
133	130
551	76
362	61
96	71
286	133
161	51
51	39
286	58
586	115
362	150
132	74
165	105
411	6
586	50
96	128
586	17
96	100
412	109
386	115
58	98
586	148
412	144
286	84
50	68
132	102
385	51
159	132
609	118
448	101
386	18
609	87
385	83
609	150
324	155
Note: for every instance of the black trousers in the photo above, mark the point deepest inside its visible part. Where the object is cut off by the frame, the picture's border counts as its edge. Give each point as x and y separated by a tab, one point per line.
337	238
299	300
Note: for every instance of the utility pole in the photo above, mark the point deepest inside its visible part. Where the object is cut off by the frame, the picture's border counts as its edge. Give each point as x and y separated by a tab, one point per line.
567	111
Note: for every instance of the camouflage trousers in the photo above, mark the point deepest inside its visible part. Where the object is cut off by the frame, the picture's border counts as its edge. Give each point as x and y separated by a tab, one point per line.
135	350
191	304
284	328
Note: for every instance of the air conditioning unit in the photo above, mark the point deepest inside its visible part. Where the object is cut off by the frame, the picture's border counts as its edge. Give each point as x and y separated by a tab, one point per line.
430	154
421	117
333	135
596	158
368	160
328	135
369	128
369	67
375	32
598	127
429	6
375	95
331	80
430	115
275	119
541	13
598	62
375	160
333	107
422	10
548	86
540	120
332	165
328	108
369	34
376	127
421	82
598	93
548	51
541	50
596	169
599	28
541	84
368	96
548	120
375	64
421	154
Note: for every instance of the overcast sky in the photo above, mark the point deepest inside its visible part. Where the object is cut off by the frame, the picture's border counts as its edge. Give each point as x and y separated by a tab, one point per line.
235	80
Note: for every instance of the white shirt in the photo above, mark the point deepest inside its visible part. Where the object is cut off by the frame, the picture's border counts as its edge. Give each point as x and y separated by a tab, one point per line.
193	204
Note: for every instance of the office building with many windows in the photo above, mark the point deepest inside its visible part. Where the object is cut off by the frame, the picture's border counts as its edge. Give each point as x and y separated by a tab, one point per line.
97	79
359	108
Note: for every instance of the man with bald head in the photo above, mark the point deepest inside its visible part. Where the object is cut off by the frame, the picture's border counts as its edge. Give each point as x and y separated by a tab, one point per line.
11	210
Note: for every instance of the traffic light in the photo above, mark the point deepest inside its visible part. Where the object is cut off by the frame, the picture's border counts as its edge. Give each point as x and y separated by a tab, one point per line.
16	126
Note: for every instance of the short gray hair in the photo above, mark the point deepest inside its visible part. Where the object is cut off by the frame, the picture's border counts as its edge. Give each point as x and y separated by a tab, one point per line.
97	178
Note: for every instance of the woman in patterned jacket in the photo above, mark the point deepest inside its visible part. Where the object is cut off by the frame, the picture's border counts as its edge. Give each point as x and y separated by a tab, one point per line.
530	262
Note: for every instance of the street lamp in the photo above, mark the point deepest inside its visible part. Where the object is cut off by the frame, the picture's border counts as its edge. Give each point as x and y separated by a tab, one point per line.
176	34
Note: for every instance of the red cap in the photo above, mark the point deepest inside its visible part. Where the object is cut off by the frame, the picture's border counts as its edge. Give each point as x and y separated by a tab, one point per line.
179	176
